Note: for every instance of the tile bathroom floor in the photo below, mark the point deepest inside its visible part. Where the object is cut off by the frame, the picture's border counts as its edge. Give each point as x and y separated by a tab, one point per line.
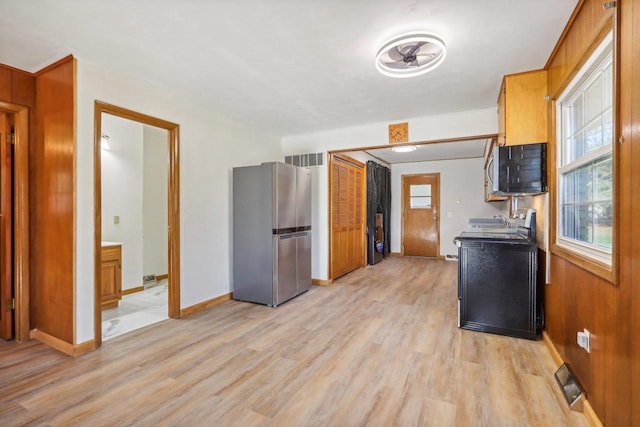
136	311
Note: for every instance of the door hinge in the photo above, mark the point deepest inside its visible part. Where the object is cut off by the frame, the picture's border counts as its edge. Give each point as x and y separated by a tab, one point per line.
11	304
609	5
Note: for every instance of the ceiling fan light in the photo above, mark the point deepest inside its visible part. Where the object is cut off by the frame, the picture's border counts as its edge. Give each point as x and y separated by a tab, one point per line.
404	148
410	55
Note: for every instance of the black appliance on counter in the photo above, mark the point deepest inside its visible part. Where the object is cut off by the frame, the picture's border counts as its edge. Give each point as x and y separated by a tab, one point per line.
498	290
518	169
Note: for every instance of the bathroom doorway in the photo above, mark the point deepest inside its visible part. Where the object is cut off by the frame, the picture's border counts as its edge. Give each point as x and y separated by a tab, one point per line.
136	220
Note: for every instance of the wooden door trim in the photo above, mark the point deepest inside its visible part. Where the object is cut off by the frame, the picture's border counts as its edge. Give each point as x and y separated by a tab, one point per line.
344	158
21	219
173	131
436	175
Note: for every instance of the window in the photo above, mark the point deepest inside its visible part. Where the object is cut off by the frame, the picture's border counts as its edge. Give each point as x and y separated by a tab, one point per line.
420	196
585	162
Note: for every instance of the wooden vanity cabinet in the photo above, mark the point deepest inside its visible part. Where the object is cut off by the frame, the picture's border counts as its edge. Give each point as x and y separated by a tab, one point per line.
111	257
522	109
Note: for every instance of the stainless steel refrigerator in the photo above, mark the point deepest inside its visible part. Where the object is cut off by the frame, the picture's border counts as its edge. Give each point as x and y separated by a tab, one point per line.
271	232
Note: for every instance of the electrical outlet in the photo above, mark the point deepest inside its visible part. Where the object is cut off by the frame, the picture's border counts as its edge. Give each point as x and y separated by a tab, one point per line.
449	214
116	219
584	340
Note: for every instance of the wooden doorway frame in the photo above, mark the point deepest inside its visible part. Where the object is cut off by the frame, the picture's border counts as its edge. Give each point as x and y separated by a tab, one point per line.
402	210
21	219
173	131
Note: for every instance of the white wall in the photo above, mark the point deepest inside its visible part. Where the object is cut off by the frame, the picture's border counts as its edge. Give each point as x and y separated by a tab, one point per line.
155	203
466	123
210	145
461	195
363	157
122	193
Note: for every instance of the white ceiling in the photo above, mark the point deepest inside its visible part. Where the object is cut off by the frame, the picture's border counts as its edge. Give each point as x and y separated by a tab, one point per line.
291	66
462	149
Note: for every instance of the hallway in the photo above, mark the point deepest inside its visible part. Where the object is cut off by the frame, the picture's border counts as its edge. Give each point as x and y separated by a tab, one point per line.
136	310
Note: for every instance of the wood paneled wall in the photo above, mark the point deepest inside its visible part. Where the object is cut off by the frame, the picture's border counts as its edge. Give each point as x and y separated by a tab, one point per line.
53	196
576	297
587	22
627	359
19	87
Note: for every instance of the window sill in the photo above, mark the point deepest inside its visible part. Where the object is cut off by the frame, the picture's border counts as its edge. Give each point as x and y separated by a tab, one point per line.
604	271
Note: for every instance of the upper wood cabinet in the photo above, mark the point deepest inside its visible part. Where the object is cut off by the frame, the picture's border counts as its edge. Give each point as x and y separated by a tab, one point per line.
522	109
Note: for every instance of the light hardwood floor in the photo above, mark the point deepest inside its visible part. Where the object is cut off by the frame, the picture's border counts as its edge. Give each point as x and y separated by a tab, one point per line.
380	347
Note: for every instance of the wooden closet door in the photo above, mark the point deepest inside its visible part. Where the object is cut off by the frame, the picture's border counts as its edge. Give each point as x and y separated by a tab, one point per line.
347	221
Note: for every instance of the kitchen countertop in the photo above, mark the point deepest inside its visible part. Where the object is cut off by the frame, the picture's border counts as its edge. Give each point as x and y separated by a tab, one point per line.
485	235
511	235
106	243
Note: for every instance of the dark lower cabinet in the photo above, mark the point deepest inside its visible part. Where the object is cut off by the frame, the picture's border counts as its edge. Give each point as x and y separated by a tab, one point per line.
497	287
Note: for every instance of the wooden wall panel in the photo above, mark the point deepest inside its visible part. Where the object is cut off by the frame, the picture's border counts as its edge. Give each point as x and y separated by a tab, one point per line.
53	240
575	300
587	23
575	297
19	87
5	84
629	206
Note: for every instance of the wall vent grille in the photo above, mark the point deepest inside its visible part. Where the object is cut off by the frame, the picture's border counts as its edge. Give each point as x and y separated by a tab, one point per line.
305	160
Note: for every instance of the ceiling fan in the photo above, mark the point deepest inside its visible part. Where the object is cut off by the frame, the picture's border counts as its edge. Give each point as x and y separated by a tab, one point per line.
410	55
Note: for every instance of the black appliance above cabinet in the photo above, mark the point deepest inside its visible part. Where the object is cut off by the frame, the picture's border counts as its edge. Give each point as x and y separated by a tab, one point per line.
519	169
498	288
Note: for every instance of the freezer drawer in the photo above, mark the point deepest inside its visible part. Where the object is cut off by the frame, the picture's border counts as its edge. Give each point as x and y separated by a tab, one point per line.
303	249
284	272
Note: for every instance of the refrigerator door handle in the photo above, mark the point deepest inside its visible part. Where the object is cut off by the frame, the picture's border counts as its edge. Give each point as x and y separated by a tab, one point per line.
286	236
293	235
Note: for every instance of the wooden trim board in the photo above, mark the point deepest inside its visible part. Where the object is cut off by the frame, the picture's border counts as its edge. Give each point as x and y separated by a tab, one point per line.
205	304
132	290
322	282
21	220
173	189
63	346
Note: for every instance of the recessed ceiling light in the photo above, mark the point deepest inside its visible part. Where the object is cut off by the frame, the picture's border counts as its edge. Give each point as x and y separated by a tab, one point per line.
404	148
410	55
